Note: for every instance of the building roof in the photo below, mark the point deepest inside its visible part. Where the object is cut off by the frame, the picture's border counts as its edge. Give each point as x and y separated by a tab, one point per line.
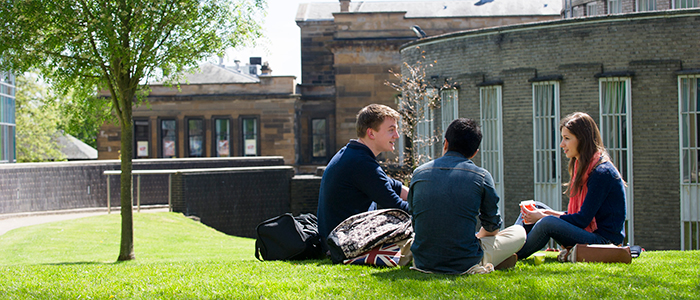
74	149
320	11
211	73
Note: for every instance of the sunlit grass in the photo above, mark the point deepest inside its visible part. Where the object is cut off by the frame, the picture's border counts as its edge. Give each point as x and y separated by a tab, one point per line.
179	258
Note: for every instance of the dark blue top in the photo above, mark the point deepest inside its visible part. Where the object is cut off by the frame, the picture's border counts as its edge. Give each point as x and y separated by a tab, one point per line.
351	182
605	201
446	197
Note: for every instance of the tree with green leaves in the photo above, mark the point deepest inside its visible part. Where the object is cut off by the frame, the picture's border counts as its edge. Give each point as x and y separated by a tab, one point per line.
119	46
83	116
37	121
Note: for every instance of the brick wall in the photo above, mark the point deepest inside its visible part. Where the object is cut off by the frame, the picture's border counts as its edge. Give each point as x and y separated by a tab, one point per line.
31	187
235	200
652	46
305	190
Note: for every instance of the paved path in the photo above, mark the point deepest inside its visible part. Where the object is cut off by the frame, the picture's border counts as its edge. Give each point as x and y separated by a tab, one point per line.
12	221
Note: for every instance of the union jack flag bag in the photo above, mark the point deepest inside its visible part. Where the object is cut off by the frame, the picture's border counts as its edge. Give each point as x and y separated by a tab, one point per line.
363	233
385	255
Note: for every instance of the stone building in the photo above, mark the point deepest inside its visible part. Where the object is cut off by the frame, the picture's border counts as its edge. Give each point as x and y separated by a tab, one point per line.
636	73
348	48
347	51
217	111
589	8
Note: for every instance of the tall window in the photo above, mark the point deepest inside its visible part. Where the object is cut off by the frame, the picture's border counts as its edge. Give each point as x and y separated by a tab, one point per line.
616	130
318	138
449	108
591	9
222	137
545	114
195	137
686	3
614	7
249	132
141	132
7	118
646	5
492	141
689	124
168	138
425	129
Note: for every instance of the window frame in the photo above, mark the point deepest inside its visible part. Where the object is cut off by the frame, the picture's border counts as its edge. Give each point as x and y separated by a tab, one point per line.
8	127
614	7
448	106
215	136
160	136
187	149
493	137
689	203
241	128
424	149
592	9
540	149
645	5
693	4
626	172
134	142
314	158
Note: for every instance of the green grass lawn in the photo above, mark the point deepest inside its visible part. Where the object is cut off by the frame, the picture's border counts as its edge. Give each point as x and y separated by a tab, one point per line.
182	259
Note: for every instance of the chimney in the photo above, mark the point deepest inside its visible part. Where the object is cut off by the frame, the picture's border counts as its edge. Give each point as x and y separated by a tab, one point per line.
344	5
265	69
238	65
221	61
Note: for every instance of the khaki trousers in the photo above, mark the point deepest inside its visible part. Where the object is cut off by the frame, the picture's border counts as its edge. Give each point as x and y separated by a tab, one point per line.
502	245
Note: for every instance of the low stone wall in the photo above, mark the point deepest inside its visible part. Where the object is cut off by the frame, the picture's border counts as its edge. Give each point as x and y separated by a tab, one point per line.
305	194
233	200
30	187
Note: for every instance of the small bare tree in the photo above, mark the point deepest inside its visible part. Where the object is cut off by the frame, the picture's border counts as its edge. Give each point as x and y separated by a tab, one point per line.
418	95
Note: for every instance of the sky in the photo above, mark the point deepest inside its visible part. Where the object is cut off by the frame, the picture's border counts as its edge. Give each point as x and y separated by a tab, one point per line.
280	45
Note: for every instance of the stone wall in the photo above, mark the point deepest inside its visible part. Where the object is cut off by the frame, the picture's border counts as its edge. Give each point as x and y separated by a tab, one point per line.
354	52
650	47
275	117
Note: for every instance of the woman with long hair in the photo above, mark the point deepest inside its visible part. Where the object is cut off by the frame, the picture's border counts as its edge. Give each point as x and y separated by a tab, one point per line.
596	211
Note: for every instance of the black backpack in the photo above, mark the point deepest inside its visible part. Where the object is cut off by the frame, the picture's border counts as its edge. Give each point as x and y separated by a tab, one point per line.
286	237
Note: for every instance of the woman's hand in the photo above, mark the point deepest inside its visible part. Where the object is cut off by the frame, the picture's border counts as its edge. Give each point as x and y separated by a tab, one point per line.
530	217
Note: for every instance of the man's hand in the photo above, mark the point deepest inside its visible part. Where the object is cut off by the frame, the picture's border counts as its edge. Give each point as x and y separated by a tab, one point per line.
482	233
404	193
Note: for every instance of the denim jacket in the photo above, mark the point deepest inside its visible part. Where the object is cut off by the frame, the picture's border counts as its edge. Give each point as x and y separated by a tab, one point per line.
445	199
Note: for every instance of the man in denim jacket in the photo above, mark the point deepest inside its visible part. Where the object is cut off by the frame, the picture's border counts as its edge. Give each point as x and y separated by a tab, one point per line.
446	196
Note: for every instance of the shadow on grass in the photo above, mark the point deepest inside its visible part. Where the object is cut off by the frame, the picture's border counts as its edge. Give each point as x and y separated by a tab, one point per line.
550	268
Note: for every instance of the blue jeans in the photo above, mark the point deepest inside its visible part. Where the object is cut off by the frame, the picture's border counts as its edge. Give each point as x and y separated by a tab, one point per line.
564	233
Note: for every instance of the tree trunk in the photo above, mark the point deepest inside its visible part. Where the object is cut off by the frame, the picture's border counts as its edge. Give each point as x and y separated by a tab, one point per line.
126	250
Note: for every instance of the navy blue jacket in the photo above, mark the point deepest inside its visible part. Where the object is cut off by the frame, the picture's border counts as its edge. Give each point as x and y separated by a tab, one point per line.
605	201
351	182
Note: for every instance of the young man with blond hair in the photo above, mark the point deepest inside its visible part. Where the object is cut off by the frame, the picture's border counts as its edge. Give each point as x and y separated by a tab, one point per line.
353	179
